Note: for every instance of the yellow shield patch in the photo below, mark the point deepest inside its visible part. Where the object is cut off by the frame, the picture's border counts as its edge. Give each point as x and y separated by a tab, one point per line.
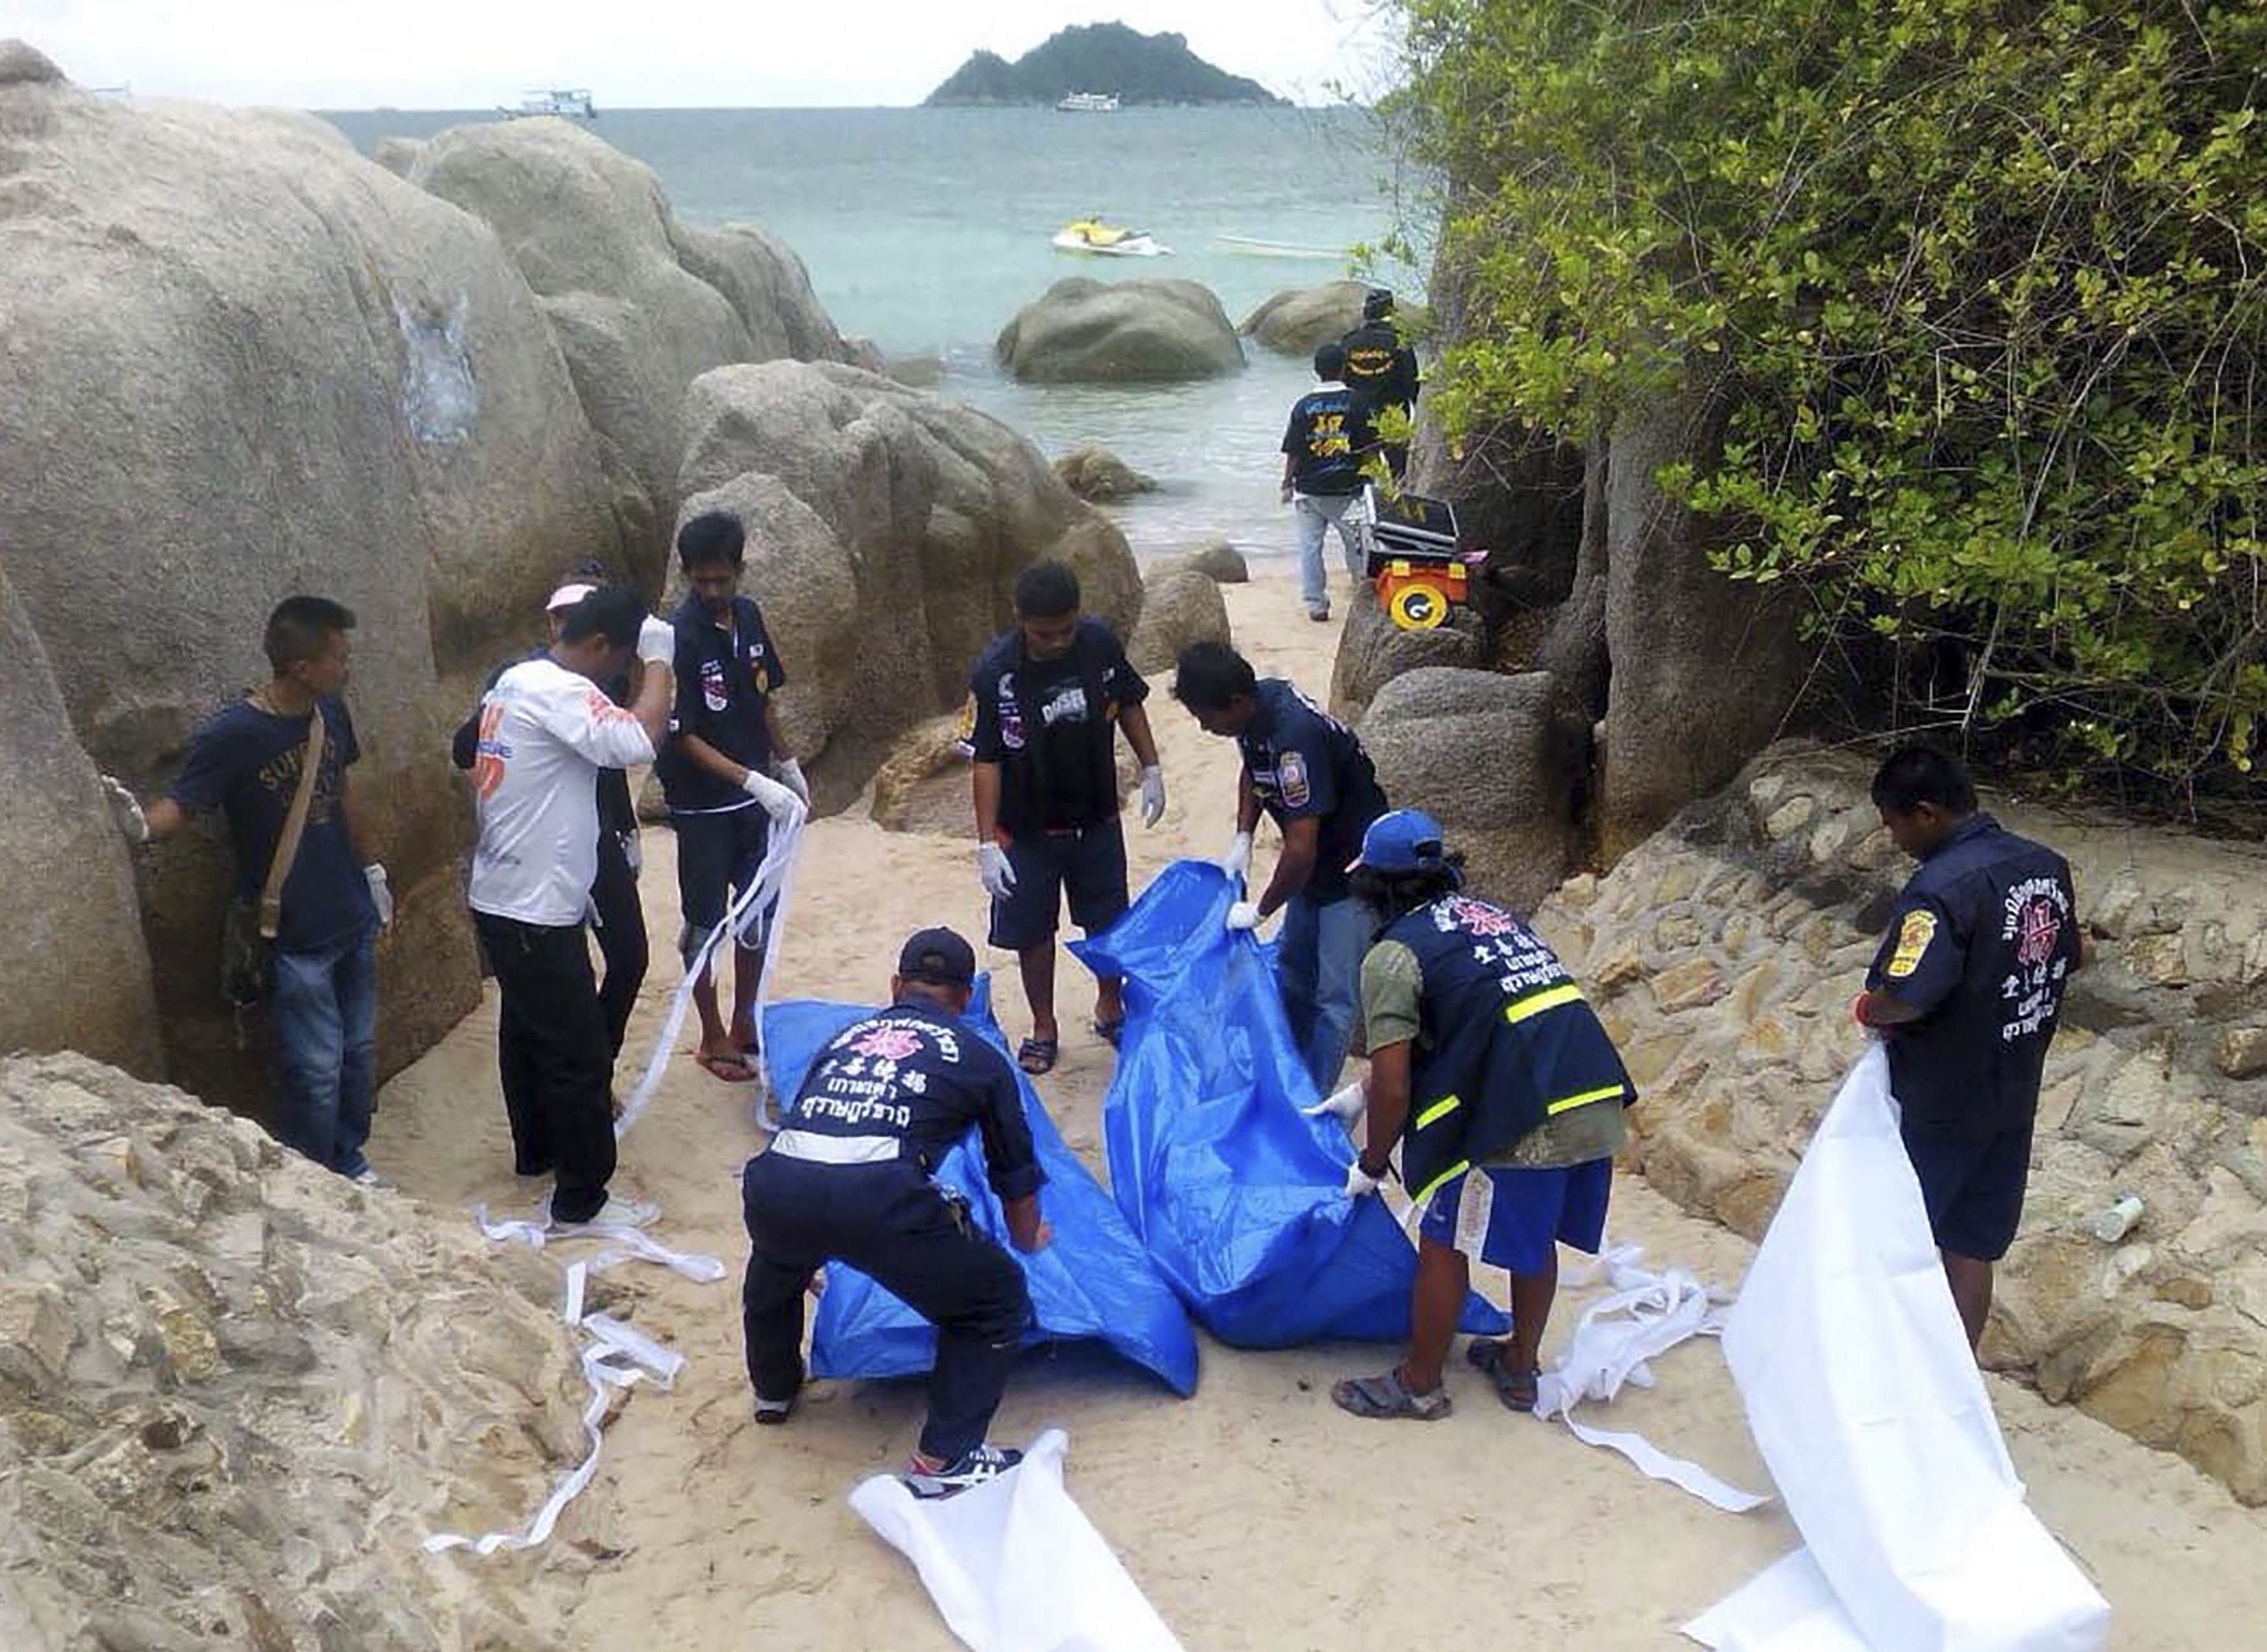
1913	937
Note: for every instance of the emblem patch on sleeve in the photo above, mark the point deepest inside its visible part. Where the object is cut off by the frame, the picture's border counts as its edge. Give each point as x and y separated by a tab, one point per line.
1291	780
1913	937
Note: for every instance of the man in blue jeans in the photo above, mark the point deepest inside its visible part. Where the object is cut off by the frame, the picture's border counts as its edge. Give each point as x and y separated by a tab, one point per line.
1323	446
247	763
1309	773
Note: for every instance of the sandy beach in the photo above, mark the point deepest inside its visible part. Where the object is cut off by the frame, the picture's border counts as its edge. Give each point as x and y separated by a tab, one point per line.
1254	1514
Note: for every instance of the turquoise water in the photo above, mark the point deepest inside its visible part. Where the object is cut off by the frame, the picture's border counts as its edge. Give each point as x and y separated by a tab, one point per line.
925	230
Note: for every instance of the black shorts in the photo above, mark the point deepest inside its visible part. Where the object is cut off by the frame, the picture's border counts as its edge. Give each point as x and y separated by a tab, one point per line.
717	860
1973	1188
1088	863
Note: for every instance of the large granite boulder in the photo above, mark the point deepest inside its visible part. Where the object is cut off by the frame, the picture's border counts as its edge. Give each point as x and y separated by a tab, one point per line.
244	362
1373	651
1496	761
1099	476
1130	331
886	529
1179	607
641	304
236	1391
1299	320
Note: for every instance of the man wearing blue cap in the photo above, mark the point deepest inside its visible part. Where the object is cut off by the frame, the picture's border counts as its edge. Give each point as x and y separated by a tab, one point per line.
1505	1094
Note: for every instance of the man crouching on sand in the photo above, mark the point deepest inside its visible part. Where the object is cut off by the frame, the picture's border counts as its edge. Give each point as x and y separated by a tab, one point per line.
1506	1095
848	1176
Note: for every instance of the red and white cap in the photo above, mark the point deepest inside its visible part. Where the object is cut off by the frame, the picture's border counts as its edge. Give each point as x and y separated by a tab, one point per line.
567	596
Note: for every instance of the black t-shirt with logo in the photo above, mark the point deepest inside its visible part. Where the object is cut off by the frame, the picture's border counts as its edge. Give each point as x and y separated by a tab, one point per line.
725	676
1381	368
1305	764
1051	725
1325	438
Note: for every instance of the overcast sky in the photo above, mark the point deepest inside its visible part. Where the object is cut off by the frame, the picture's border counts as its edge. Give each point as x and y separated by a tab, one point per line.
472	54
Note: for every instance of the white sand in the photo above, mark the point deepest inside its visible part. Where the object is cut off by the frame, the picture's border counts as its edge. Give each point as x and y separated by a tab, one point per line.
1254	1514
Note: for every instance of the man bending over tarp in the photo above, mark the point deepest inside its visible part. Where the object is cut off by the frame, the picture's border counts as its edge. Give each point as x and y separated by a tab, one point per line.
1505	1094
848	1176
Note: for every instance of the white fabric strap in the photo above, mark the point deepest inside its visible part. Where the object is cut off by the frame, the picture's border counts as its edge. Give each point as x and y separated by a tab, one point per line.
813	1148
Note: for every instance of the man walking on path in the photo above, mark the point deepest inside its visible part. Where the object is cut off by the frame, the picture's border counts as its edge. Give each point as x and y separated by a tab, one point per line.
547	732
1050	696
726	773
848	1177
1380	370
1322	449
249	762
1309	773
1505	1095
1966	990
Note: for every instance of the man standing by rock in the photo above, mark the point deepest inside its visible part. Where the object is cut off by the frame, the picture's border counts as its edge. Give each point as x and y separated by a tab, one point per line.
849	1176
1966	990
322	973
547	732
1322	449
1505	1095
726	773
1050	696
1309	773
1380	370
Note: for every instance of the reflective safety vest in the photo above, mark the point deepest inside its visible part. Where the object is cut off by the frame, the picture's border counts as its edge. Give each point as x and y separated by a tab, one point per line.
1507	1040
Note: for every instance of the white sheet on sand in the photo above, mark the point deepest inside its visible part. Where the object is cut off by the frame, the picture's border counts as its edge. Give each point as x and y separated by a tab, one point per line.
1014	1565
1870	1411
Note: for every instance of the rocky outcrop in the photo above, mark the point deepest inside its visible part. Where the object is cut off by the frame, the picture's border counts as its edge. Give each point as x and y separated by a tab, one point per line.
1129	332
235	1391
1373	651
1179	607
1299	320
923	784
1099	476
339	384
1492	758
886	529
1721	954
398	154
1221	562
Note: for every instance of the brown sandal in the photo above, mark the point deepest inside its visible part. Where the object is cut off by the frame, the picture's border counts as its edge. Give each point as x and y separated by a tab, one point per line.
1491	1355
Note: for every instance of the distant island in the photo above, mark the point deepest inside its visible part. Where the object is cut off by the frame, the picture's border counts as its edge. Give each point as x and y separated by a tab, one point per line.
1104	58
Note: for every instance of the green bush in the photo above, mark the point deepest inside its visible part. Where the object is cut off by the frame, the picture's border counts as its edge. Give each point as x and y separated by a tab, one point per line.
1987	281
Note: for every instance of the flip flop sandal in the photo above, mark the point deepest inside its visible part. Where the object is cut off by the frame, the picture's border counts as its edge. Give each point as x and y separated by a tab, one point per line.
1516	1389
1037	1055
730	1068
1109	1032
772	1412
1386	1395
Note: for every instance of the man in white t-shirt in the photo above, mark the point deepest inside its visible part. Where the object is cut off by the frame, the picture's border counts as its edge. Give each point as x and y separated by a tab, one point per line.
546	729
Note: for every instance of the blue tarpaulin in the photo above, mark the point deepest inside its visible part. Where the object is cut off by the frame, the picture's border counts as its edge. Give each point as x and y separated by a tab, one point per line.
1090	1281
1236	1195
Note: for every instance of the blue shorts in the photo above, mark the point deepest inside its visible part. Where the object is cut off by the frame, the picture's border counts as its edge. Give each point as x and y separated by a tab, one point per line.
1973	1188
1512	1216
1087	865
717	860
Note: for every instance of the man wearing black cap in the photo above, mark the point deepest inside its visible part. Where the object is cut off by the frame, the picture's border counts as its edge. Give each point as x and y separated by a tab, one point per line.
848	1177
1381	370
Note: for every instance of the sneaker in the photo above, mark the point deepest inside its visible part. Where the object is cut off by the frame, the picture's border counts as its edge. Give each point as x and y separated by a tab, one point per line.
1321	616
368	1178
976	1466
616	1212
774	1411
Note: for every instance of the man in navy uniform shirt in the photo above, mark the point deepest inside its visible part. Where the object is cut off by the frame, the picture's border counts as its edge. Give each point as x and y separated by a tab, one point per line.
1322	449
1381	370
1309	773
848	1177
726	772
1967	990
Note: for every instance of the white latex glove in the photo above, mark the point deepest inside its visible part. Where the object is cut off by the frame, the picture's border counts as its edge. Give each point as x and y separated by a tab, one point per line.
789	774
777	800
381	893
125	810
1237	860
657	643
1346	1105
1243	914
1357	1184
1153	795
993	872
633	851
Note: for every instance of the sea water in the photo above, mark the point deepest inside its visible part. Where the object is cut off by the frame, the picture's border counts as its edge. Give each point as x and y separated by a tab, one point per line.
925	230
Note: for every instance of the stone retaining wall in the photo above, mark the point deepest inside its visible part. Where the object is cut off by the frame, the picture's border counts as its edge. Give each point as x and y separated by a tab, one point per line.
1722	953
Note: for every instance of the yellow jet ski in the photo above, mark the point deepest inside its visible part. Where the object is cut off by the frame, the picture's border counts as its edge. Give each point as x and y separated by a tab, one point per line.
1092	235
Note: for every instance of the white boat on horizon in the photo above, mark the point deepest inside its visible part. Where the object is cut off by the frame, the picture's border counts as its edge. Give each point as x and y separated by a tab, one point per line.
1251	246
571	102
1089	103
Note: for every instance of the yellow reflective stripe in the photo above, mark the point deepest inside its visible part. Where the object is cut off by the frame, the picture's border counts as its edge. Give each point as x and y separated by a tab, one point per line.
1569	1103
1432	1187
1549	999
1446	1105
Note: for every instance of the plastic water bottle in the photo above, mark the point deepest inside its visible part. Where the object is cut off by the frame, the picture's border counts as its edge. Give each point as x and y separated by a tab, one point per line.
2117	1221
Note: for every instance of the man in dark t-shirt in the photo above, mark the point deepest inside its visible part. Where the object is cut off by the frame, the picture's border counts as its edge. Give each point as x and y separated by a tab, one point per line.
1967	990
247	763
1050	696
1323	446
1381	370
